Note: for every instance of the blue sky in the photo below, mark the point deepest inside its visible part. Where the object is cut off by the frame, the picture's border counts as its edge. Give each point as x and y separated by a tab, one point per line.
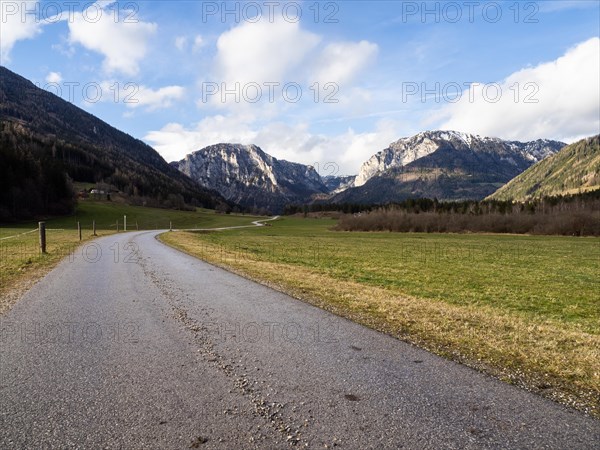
382	70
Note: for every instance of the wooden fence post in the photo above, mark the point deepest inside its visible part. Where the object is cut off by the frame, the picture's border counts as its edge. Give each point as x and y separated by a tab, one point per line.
170	226
42	230
94	228
79	230
117	225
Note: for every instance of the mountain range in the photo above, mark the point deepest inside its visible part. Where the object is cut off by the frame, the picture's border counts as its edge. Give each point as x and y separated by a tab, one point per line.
444	164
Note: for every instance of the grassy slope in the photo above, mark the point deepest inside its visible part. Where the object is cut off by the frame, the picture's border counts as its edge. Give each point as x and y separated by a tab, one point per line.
575	168
522	308
107	213
21	263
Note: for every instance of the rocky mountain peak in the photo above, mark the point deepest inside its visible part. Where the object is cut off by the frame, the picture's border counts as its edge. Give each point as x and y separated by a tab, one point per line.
409	149
250	177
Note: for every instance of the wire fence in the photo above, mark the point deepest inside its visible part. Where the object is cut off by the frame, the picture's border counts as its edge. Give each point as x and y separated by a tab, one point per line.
17	235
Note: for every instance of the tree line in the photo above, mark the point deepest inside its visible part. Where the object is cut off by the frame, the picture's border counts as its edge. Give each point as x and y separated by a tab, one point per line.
572	215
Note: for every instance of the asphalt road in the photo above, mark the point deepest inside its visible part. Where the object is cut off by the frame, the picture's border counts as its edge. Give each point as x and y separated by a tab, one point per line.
131	344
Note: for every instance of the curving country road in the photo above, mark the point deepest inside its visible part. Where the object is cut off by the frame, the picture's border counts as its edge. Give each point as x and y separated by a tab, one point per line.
131	344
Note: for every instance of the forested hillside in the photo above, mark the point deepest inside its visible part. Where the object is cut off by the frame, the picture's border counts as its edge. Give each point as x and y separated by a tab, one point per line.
46	141
576	168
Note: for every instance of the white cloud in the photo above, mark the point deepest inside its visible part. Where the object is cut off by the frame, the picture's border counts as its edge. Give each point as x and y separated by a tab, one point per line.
198	43
340	62
286	55
340	154
157	99
262	51
345	151
180	43
174	141
135	96
123	43
17	25
567	91
54	77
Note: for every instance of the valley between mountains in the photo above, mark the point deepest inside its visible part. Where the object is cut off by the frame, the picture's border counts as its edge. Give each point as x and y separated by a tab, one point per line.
440	164
444	296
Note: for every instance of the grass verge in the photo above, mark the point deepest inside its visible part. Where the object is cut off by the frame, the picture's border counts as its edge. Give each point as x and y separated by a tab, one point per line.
22	264
524	309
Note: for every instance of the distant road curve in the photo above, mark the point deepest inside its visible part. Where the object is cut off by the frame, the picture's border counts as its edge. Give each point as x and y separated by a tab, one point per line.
256	223
132	344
